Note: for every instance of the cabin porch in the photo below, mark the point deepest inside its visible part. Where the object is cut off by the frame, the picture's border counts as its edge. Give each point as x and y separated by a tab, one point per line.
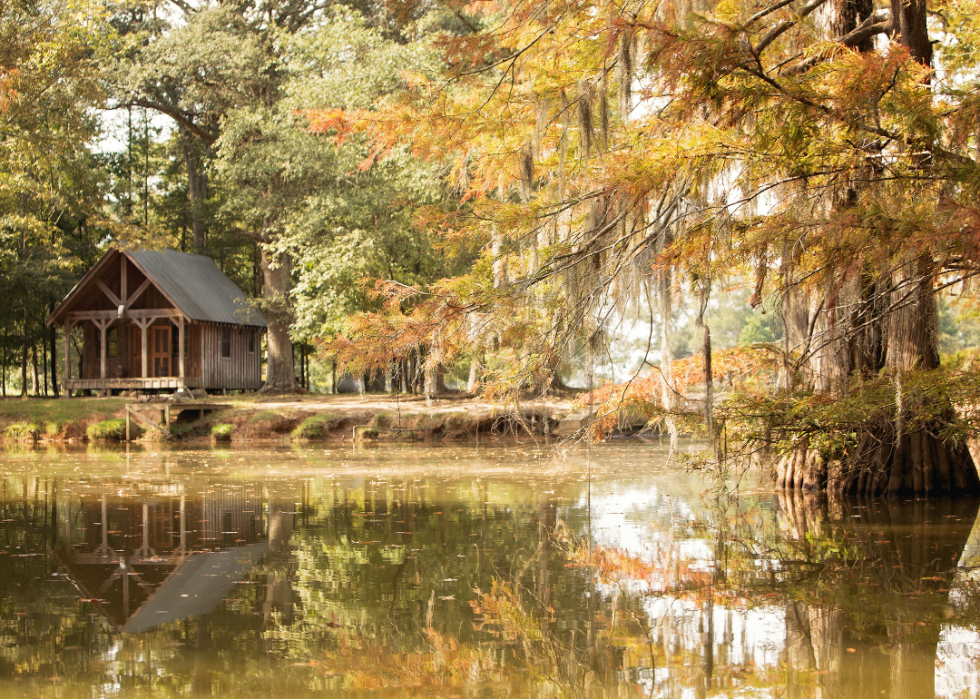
149	350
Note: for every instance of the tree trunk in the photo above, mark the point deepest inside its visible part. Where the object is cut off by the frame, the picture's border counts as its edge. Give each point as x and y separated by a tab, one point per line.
909	24
44	367
35	377
3	369
435	380
54	356
392	378
476	366
374	382
197	191
279	376
888	460
24	350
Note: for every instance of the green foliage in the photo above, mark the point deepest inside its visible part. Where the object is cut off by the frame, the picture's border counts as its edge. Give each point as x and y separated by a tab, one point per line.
110	430
317	426
222	432
835	426
181	429
758	328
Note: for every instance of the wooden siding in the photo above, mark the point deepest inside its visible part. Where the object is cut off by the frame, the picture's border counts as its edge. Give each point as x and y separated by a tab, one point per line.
241	371
193	366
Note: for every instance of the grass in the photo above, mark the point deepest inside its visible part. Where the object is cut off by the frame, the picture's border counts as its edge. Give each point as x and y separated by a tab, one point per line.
21	431
264	416
113	429
222	432
54	419
317	426
44	410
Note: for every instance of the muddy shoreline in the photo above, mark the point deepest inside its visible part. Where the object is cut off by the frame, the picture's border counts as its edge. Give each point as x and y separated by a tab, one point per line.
287	419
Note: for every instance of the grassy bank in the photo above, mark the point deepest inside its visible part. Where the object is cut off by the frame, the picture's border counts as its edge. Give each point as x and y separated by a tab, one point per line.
253	419
55	420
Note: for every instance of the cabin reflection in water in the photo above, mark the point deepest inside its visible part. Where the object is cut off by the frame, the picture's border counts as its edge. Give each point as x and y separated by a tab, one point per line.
154	553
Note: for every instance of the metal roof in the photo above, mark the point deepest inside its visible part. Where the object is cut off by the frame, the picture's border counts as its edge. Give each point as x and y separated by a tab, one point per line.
197	287
196	586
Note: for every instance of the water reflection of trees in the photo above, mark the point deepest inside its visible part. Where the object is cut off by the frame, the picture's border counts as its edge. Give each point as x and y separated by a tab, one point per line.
871	615
437	584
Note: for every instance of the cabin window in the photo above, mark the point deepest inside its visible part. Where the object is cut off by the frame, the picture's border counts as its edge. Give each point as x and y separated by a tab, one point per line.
226	343
111	344
251	341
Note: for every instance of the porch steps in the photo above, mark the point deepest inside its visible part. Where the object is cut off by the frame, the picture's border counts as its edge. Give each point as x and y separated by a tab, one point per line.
162	427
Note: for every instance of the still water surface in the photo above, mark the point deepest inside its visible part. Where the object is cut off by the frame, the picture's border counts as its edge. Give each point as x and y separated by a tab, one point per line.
469	572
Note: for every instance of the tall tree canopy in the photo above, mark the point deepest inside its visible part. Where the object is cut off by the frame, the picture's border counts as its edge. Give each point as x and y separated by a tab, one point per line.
610	153
52	56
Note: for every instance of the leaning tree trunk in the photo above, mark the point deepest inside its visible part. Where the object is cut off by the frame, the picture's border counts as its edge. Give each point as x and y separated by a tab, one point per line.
279	372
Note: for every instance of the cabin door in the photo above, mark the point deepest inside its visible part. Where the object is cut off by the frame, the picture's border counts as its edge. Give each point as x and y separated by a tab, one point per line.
160	349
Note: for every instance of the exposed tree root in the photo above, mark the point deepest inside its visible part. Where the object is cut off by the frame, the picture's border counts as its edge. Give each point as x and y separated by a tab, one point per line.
918	464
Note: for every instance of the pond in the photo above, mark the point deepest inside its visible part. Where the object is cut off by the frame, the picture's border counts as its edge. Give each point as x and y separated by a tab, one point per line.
469	571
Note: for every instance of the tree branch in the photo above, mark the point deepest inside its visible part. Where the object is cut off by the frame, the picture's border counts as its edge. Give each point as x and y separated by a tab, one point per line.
878	23
177	116
184	7
784	26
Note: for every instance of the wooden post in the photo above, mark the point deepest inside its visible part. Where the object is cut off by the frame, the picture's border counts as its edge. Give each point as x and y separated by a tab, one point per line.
129	437
123	264
180	346
67	357
146	357
101	325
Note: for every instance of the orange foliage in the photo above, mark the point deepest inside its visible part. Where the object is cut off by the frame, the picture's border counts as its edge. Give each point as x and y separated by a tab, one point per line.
8	91
342	123
729	367
666	574
443	665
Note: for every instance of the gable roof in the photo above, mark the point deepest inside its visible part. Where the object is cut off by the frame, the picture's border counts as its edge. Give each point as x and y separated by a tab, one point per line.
193	283
196	286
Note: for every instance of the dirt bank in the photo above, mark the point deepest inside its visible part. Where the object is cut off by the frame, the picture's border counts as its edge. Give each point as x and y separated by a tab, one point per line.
293	418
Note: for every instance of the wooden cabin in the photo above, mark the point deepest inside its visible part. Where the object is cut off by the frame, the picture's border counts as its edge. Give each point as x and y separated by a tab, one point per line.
157	320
